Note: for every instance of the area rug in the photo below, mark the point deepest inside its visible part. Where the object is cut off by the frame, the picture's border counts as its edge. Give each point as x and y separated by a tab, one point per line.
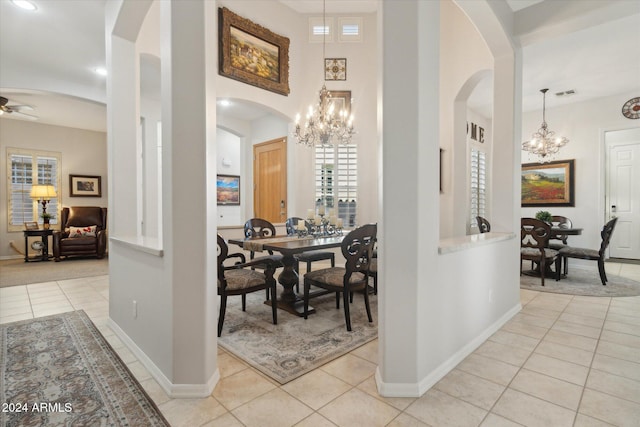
60	371
294	346
584	282
15	272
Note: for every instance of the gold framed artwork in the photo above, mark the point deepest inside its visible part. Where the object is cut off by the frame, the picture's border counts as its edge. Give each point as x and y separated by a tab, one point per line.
252	54
335	68
548	184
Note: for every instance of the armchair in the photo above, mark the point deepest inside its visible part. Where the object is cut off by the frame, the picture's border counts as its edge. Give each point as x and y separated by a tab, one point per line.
85	240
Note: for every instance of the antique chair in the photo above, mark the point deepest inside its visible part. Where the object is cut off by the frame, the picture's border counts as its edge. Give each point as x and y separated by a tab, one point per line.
558	241
236	279
357	249
255	228
310	256
592	254
534	237
83	232
483	225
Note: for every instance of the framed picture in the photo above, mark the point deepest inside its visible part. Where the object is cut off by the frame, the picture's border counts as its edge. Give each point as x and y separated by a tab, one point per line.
252	54
548	184
335	68
85	186
32	225
228	189
341	99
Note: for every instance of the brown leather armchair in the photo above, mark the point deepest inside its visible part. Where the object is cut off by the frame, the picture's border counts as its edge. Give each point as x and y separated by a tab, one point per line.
81	216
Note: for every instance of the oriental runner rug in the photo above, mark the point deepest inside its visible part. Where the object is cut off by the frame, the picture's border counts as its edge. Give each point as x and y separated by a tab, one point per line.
60	371
295	346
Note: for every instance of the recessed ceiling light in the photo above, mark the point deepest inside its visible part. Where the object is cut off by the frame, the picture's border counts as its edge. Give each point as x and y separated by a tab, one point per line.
24	4
225	103
101	71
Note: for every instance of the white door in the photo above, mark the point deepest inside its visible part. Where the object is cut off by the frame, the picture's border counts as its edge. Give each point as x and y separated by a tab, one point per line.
623	192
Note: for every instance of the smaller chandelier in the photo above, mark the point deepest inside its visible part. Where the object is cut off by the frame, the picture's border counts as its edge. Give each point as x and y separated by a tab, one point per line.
544	143
323	124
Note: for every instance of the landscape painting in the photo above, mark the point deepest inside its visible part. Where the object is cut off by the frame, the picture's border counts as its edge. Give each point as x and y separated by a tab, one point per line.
228	189
548	184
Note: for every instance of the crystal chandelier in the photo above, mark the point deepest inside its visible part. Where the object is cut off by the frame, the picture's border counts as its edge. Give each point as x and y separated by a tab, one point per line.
324	125
544	143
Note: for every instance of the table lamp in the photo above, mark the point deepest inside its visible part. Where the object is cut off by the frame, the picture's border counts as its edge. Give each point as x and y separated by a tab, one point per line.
44	193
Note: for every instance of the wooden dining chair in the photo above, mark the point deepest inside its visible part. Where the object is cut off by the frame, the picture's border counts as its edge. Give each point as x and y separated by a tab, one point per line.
558	241
311	256
256	228
357	249
240	279
483	224
593	254
534	237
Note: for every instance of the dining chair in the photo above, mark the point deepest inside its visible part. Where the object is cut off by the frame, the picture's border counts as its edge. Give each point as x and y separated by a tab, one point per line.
557	240
256	228
311	256
237	279
534	237
593	254
483	225
357	249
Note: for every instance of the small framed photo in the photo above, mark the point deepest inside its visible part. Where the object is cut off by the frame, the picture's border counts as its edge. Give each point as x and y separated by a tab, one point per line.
31	225
85	186
335	68
228	190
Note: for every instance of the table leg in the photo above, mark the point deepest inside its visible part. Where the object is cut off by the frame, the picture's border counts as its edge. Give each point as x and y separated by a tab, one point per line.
288	278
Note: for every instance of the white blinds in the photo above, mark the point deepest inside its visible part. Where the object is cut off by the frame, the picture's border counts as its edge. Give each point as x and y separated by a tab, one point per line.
478	185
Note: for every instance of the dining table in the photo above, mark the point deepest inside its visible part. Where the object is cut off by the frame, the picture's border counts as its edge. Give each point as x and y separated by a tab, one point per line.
289	246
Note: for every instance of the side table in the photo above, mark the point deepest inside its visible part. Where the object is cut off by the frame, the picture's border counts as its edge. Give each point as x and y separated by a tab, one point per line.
44	234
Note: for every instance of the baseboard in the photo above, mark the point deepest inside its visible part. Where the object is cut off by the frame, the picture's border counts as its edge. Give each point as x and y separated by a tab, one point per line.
8	257
175	391
419	388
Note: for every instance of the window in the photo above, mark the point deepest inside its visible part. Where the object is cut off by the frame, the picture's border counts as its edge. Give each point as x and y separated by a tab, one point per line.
350	29
28	167
320	29
337	180
478	185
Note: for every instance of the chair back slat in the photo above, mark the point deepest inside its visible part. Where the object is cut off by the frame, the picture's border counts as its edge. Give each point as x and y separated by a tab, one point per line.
258	227
483	224
534	233
559	221
606	233
357	249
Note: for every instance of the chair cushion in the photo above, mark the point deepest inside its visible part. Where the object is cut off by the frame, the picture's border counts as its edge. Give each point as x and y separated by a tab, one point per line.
83	241
242	278
333	276
315	256
557	246
535	252
272	258
583	253
88	231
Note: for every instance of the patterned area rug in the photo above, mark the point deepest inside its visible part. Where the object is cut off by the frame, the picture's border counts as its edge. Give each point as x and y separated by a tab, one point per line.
60	371
294	346
585	282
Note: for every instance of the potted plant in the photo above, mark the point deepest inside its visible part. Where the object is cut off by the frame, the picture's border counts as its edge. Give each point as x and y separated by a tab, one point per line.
46	217
544	216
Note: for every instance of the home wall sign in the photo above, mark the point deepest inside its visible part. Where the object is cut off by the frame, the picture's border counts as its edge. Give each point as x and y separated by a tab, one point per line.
477	132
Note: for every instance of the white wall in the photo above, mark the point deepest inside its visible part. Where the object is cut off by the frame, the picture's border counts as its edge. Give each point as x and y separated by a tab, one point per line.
584	123
83	152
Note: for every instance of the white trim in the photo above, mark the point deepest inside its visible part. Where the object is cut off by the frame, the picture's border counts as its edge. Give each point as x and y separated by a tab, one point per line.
174	391
421	387
147	245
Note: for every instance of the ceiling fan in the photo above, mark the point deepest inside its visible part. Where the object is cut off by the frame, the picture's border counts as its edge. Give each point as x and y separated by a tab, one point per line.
15	110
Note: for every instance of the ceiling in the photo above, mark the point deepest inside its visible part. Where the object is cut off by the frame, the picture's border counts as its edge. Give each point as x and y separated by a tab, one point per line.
602	60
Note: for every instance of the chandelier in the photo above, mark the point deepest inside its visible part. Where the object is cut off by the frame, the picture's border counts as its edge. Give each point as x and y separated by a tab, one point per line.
544	143
323	124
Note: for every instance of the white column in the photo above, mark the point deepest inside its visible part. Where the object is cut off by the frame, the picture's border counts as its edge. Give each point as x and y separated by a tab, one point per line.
408	231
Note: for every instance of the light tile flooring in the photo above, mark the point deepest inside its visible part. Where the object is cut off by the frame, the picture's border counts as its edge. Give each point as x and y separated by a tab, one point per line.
562	361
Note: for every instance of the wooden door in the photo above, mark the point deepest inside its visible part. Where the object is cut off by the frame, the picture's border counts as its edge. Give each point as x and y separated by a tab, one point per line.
270	180
623	198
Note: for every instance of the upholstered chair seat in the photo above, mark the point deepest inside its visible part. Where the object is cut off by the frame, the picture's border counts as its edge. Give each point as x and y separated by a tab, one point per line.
243	279
334	276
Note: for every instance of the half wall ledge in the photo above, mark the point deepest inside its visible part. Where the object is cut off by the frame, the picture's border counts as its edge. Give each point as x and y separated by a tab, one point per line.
147	245
461	243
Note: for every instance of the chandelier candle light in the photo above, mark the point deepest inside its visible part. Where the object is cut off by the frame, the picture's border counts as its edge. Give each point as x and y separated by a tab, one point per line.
319	225
544	143
323	124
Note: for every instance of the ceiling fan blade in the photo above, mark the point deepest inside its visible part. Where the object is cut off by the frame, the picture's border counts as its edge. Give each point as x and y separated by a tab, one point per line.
20	108
19	115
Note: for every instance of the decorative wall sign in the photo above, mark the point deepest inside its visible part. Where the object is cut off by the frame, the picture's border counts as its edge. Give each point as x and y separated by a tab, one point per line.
335	69
228	189
548	184
85	186
477	132
252	54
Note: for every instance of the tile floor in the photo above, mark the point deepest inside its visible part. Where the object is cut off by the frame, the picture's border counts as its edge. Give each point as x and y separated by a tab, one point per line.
562	361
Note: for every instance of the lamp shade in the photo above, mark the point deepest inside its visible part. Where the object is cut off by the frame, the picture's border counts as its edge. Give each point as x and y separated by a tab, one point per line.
44	192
